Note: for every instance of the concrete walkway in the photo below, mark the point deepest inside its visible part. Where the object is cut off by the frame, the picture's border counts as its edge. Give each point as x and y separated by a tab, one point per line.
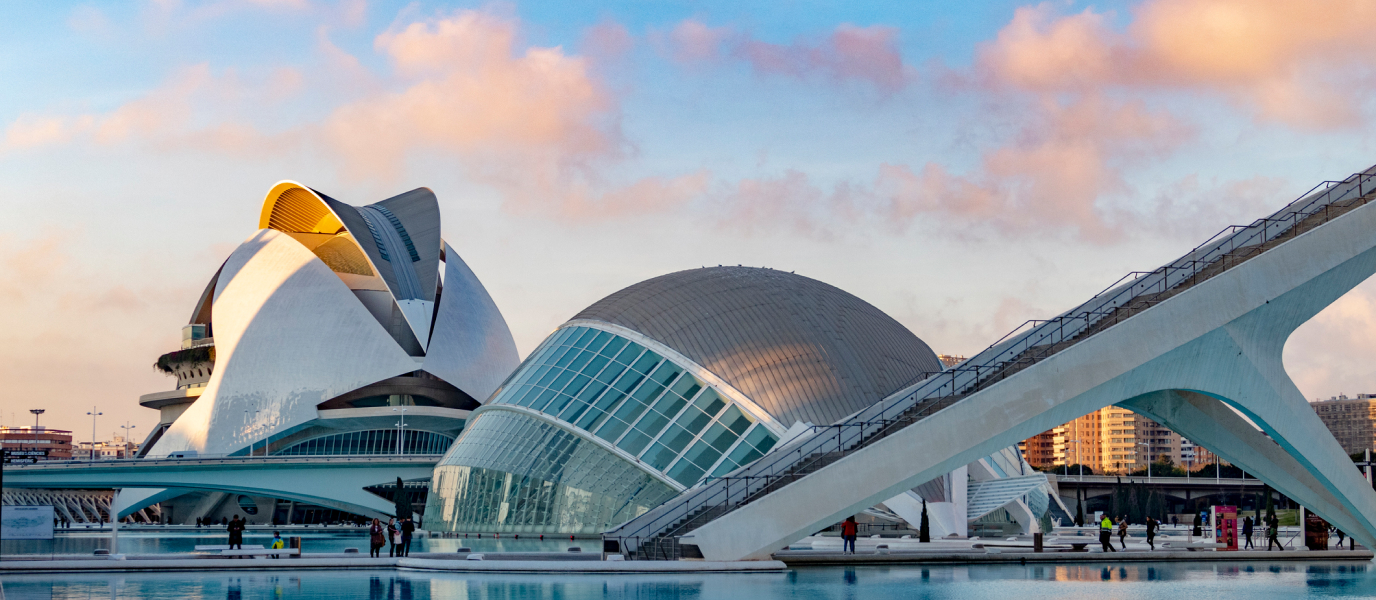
492	563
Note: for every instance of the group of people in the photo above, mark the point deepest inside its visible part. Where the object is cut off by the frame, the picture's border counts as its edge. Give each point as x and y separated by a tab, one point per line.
1107	526
398	533
1272	532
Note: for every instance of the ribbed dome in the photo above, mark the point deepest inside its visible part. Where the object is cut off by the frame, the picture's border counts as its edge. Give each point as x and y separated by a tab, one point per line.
801	349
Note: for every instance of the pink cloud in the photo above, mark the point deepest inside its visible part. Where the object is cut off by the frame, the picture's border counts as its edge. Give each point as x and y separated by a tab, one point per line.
693	42
1290	62
848	53
607	40
1053	173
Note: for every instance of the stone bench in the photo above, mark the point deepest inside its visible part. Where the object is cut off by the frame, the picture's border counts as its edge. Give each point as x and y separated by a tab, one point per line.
260	551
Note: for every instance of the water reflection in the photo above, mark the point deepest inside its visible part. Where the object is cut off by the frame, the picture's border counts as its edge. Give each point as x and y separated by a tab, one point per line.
1155	581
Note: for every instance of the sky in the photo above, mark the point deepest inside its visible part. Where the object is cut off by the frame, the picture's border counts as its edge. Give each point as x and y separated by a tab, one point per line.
964	167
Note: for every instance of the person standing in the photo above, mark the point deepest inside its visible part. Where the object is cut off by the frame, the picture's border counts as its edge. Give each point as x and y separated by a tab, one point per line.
1272	534
408	529
1151	532
393	536
1247	532
1106	534
1123	531
236	533
376	539
848	532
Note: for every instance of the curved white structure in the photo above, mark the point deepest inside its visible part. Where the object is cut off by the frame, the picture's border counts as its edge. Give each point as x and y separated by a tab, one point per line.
320	324
1184	345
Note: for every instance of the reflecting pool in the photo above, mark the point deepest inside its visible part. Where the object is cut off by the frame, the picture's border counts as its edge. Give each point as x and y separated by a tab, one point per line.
1160	581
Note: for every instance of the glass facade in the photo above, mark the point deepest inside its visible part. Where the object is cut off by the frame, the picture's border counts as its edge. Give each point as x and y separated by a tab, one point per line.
375	441
638	401
514	473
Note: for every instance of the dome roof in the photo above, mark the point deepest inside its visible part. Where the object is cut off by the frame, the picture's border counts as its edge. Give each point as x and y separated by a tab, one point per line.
799	348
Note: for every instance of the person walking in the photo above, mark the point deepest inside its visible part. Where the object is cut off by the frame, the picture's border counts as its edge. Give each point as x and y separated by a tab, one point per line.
376	539
1151	532
393	536
1340	537
1272	534
1123	531
278	543
236	533
1247	532
848	532
1106	534
408	529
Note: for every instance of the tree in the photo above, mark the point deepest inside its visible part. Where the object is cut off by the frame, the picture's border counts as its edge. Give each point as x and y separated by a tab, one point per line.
1079	507
403	502
924	531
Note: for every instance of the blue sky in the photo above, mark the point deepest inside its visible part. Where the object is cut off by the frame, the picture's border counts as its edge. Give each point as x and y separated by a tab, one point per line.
963	166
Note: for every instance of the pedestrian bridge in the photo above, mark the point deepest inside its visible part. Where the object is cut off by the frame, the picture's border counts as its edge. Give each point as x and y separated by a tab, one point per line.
331	481
1194	345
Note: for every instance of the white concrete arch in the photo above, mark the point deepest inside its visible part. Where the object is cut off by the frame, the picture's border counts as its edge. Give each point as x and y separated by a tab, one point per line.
1221	339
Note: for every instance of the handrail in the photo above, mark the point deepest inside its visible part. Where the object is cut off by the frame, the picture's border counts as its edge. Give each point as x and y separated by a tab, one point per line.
1026	344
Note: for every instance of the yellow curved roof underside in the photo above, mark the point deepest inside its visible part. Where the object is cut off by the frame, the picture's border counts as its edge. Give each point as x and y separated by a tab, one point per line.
290	207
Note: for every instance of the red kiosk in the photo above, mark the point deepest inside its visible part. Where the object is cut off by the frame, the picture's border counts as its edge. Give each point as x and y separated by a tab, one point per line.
1223	520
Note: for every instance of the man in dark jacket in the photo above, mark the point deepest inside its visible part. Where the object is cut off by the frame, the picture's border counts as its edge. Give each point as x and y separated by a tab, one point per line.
1151	532
408	527
236	533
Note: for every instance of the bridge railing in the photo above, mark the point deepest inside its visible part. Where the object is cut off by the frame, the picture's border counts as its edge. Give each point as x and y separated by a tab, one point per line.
229	458
1027	344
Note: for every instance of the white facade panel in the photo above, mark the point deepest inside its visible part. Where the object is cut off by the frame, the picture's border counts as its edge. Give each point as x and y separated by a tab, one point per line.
289	335
472	347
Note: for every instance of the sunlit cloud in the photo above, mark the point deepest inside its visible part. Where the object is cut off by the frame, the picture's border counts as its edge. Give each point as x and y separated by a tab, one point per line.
848	53
1304	64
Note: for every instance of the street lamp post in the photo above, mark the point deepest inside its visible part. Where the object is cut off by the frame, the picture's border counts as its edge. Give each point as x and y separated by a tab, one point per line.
93	414
127	432
36	412
252	418
1148	445
1078	459
401	427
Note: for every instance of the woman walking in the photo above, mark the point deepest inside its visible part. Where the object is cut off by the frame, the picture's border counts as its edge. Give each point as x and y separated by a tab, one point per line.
1123	532
375	539
393	536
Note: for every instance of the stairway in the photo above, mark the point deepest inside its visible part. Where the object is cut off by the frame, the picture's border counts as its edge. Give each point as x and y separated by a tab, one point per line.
655	534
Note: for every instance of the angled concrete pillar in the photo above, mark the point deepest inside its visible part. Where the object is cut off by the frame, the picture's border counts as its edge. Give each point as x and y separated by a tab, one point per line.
1220	339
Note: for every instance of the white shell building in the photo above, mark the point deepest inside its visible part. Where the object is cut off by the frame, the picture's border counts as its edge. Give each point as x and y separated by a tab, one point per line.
320	329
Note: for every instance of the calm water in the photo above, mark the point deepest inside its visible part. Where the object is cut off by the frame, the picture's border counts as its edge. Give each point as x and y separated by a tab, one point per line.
312	540
1166	581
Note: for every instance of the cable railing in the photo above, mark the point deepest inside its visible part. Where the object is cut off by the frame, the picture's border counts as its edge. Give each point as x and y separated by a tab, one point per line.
652	536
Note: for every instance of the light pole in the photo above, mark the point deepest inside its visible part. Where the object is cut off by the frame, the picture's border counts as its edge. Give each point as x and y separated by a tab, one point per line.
1078	459
252	418
127	427
1148	445
93	414
401	427
36	412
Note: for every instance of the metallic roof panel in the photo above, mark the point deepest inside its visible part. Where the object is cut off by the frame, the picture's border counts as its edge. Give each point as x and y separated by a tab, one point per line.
801	349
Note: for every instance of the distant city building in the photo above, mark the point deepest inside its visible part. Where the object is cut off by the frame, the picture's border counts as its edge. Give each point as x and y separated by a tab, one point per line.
1352	420
1111	440
56	443
117	448
950	360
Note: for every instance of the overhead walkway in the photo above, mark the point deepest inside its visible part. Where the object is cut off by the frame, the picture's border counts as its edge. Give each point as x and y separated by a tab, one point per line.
334	481
1175	343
